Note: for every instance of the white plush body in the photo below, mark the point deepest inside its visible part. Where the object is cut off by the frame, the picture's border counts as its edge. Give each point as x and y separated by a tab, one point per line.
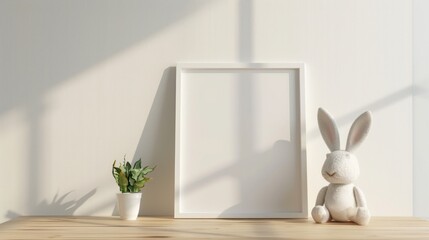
341	200
341	203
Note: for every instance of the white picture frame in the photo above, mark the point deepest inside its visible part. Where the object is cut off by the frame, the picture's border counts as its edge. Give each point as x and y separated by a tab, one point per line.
240	141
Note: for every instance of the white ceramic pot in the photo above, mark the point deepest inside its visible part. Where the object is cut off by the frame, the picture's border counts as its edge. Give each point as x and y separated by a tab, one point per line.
129	205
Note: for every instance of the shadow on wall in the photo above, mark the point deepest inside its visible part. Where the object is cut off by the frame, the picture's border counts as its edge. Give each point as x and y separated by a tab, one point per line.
282	187
48	42
59	206
373	107
156	147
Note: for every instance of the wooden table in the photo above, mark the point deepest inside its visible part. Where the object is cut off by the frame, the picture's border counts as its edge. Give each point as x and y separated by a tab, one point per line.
158	227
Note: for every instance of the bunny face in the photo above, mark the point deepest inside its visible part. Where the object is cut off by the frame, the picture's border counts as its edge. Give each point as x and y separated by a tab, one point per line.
340	167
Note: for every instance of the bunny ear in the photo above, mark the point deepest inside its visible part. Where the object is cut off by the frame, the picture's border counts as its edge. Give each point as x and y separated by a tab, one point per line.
329	130
358	131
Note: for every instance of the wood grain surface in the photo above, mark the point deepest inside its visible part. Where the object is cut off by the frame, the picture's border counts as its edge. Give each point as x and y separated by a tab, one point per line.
160	227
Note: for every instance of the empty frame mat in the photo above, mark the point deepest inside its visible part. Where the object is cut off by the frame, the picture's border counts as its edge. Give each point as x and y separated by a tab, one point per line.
240	147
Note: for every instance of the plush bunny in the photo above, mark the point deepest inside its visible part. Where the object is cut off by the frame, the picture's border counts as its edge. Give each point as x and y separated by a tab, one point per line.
341	200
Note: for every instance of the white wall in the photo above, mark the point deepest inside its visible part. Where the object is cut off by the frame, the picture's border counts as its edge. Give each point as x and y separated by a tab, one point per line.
84	82
421	103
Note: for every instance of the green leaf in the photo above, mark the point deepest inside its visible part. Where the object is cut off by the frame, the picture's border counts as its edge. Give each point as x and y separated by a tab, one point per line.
116	176
122	181
140	184
113	168
140	176
147	170
135	189
134	173
131	181
115	172
122	168
138	164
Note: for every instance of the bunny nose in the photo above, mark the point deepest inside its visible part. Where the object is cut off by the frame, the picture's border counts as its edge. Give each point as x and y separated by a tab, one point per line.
331	174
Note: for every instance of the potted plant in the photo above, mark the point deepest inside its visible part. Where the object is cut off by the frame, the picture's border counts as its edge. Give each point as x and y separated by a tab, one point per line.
130	179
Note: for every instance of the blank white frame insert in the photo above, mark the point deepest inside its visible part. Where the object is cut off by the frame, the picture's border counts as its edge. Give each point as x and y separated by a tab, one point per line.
240	141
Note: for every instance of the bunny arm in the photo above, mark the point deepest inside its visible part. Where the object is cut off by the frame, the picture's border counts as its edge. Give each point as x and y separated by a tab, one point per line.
320	213
359	197
362	216
320	200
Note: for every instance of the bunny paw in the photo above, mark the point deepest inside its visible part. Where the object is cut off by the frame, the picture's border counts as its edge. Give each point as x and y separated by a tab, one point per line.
362	216
320	214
